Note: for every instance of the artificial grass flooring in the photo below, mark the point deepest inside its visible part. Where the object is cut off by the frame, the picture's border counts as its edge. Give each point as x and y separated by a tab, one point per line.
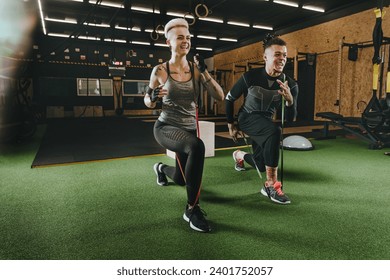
115	210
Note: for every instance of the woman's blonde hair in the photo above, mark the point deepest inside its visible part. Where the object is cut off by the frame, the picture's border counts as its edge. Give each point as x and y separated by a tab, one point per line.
176	22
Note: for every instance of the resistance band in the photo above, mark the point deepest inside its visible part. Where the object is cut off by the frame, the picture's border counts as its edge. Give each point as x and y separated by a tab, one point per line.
197	133
281	147
281	135
251	153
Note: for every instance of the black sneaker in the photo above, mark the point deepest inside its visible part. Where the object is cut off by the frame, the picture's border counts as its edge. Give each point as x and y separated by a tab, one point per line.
275	193
161	178
195	217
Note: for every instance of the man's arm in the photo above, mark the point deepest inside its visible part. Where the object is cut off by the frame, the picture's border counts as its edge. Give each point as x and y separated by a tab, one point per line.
235	93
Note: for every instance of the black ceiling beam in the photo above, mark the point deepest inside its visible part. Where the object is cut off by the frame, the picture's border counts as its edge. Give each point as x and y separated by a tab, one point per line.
331	15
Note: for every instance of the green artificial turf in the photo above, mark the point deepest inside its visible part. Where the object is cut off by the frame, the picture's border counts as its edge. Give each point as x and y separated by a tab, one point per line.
115	210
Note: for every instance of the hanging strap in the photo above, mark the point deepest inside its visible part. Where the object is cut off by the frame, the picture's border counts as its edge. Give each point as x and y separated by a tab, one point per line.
388	76
377	38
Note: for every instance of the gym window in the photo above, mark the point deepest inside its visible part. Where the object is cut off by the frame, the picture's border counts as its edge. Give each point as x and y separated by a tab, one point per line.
94	87
134	87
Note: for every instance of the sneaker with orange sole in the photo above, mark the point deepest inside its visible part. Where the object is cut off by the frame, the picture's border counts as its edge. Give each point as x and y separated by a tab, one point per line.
275	193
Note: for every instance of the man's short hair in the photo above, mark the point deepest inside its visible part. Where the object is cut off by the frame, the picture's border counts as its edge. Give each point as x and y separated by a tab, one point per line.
176	22
270	40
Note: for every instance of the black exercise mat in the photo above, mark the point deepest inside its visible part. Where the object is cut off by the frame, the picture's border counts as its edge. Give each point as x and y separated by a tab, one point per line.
88	139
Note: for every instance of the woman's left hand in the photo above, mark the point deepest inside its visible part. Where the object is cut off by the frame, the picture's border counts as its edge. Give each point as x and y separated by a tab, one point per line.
199	62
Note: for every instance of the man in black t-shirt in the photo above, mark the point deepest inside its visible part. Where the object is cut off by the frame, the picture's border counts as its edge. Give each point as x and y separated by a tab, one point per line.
263	90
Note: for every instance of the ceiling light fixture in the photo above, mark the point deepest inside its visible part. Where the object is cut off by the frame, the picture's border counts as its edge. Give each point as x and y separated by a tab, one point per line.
66	20
313	8
152	30
89	38
207	37
262	27
42	19
140	43
97	24
122	27
238	23
115	40
228	39
134	28
177	14
107	4
58	35
286	3
138	29
217	20
204	49
161	45
146	10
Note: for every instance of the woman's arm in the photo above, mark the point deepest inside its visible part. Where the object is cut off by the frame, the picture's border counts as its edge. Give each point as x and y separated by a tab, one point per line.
155	89
211	85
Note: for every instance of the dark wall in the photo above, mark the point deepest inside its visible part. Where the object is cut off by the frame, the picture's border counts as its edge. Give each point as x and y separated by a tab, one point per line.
56	63
306	82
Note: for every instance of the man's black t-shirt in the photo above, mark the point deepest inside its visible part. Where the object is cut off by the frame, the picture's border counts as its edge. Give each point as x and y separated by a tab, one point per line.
261	94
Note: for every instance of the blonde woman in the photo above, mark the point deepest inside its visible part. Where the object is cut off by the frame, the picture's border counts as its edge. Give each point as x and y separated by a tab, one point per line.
177	83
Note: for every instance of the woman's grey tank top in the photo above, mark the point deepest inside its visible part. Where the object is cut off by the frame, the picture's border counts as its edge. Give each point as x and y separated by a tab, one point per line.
179	107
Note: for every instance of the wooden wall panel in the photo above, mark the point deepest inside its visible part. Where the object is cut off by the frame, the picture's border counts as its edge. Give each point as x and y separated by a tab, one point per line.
356	82
326	79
